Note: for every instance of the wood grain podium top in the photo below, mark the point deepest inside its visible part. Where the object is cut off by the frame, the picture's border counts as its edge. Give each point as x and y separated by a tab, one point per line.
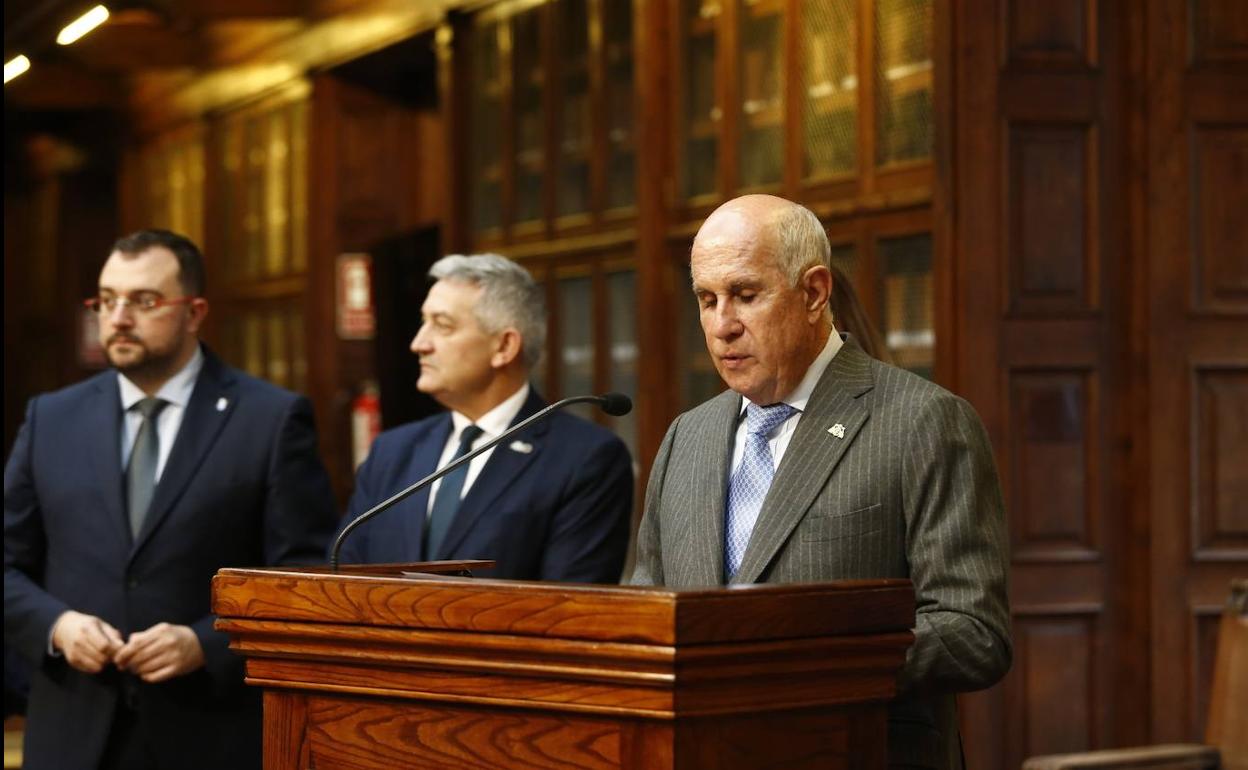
383	597
614	651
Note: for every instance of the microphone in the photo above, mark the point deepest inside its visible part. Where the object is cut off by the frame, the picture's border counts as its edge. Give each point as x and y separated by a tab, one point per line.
614	404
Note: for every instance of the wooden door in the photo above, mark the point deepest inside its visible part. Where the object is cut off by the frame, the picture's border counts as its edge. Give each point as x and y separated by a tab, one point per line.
375	173
1101	303
1042	311
1196	240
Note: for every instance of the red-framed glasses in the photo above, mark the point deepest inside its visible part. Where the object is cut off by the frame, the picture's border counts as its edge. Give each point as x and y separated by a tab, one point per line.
142	302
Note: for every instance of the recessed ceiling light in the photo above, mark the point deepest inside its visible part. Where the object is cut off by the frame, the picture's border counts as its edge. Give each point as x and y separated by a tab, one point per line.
15	66
82	25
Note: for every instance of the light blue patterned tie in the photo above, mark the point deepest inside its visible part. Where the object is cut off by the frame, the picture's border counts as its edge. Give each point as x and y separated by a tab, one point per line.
749	484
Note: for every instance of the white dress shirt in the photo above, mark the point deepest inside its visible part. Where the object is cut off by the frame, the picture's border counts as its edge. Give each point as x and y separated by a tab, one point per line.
176	392
492	425
780	436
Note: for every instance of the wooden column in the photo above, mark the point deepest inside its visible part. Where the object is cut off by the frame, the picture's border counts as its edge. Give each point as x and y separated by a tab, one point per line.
658	291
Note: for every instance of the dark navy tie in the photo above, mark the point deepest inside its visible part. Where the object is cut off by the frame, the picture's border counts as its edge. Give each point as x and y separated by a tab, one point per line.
446	501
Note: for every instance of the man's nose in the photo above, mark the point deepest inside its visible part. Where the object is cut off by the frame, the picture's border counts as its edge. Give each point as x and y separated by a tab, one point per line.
419	342
724	323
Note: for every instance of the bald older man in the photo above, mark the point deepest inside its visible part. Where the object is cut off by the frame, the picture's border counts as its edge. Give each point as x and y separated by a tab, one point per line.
822	463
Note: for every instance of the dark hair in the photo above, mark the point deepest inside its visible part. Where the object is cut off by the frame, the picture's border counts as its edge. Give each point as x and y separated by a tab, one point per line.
849	316
190	261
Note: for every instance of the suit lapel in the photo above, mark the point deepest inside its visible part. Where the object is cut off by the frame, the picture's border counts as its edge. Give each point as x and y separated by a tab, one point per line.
101	434
211	404
708	491
813	453
503	467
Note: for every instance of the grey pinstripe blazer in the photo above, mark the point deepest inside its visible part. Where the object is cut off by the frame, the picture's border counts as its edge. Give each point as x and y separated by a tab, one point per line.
910	490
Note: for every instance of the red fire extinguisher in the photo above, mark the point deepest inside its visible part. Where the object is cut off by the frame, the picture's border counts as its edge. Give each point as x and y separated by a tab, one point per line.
365	421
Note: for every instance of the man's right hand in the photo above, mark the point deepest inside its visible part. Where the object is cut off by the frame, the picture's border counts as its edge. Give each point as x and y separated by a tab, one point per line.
86	641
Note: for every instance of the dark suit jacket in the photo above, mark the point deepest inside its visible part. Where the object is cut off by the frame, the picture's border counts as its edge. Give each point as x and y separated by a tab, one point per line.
557	512
243	485
905	487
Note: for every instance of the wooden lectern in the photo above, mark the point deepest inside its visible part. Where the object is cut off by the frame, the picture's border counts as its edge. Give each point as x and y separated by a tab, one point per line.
370	668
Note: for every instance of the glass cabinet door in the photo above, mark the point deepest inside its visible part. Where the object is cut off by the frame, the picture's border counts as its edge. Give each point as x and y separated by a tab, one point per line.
487	119
829	87
621	171
277	195
574	128
906	301
844	257
622	331
701	111
576	338
903	45
551	133
761	83
528	85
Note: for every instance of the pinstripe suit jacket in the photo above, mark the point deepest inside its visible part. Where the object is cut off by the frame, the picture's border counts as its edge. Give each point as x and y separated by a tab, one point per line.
909	491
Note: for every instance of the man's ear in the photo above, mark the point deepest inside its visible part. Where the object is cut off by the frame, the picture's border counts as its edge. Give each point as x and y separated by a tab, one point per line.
198	311
816	290
507	348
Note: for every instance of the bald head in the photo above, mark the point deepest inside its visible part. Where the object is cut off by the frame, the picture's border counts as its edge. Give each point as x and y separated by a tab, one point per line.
791	233
760	272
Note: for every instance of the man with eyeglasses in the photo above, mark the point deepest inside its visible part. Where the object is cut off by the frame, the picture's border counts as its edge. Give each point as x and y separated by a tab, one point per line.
122	497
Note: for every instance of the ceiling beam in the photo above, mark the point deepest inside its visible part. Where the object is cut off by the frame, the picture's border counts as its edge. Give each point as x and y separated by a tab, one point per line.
202	11
130	48
63	85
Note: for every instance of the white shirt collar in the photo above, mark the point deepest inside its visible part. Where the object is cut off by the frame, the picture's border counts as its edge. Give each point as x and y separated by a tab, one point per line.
495	421
801	394
176	390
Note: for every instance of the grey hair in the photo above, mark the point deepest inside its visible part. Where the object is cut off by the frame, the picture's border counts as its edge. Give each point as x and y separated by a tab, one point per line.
802	241
509	297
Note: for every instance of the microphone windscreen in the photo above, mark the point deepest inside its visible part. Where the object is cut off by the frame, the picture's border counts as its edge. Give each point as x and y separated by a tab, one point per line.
616	404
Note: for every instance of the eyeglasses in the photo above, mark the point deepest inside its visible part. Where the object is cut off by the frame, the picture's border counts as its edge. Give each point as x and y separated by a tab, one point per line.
142	302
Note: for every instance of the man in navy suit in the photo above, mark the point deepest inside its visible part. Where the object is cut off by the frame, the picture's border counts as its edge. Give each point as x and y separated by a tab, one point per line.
554	503
122	497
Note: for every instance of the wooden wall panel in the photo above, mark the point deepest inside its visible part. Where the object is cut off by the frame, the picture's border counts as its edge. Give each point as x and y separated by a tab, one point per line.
1053	228
1204	631
1219	31
1054	32
1219	228
1052	510
1220	463
1054	656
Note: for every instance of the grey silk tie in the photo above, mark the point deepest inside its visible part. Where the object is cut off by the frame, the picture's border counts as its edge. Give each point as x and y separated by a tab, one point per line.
446	501
141	472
